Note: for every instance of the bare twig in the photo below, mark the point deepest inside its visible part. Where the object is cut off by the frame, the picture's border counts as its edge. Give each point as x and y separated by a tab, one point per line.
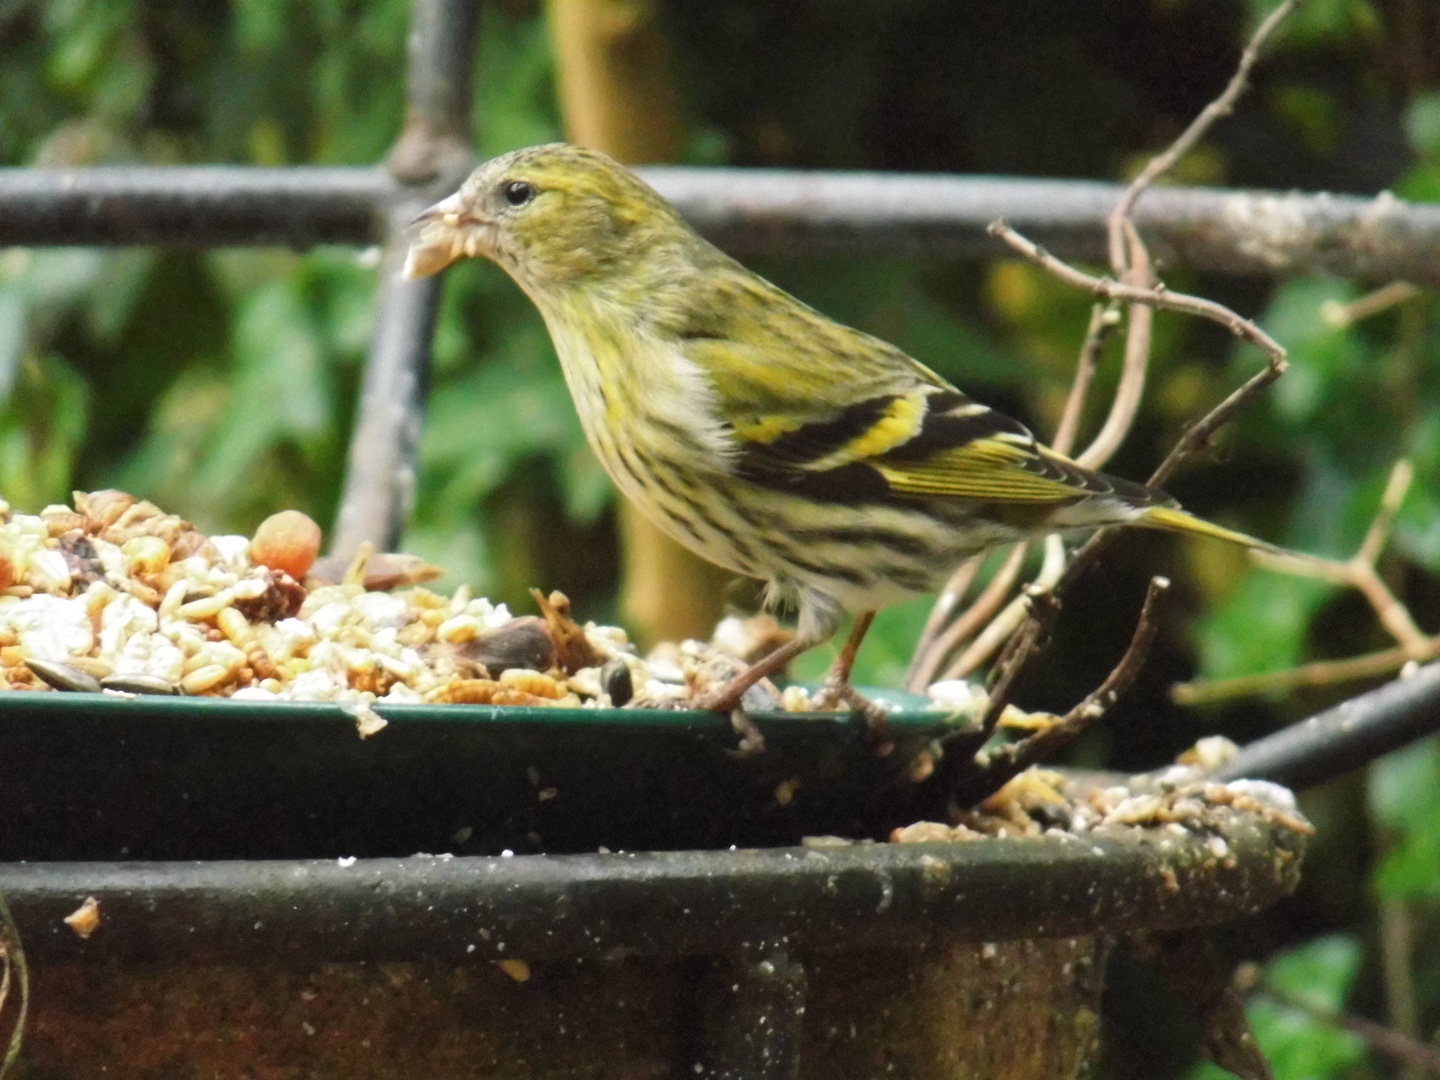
1320	673
1397	947
1157	297
1215	111
12	958
937	640
1005	761
990	637
1043	609
1397	486
925	660
1136	286
1131	387
1195	439
1358	572
973	619
1333	313
1104	318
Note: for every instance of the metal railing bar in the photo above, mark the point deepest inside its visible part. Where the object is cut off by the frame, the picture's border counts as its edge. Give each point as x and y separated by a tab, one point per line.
759	210
194	205
1345	737
430	158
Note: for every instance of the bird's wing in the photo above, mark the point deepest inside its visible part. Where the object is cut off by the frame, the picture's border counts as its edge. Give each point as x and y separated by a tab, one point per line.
822	409
926	442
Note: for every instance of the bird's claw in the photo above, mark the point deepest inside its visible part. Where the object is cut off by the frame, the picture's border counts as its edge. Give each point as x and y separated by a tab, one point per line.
835	692
723	701
751	741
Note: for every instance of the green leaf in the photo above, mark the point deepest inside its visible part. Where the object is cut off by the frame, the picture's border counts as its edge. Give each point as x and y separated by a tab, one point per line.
1322	22
1318	973
1322	355
13	318
1422	123
1404	796
279	390
1299	1044
1261	626
41	431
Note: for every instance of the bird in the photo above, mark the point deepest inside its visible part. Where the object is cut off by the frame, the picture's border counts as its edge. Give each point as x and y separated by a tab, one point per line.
766	437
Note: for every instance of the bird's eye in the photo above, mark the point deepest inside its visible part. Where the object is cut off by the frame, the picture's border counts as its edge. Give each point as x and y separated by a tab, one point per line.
518	192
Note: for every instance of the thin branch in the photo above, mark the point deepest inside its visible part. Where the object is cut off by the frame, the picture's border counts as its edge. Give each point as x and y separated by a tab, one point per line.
1221	107
1319	673
974	618
1131	387
1393	614
1397	486
1157	297
1195	439
1131	264
937	641
989	638
1104	318
1008	760
1358	572
1333	313
924	660
1044	608
1397	947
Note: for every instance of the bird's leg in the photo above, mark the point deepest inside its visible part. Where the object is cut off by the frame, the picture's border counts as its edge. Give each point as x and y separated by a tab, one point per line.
837	688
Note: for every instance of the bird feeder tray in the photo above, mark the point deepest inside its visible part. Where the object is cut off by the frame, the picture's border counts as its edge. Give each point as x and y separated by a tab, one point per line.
606	893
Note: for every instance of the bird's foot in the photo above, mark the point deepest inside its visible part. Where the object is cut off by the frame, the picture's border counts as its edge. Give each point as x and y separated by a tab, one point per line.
836	692
751	741
728	699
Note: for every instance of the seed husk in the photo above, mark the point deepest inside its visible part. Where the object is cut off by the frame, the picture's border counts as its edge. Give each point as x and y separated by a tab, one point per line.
525	642
139	684
63	676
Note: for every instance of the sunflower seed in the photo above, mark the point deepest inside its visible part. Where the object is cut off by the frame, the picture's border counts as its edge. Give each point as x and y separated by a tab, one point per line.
615	680
63	676
139	684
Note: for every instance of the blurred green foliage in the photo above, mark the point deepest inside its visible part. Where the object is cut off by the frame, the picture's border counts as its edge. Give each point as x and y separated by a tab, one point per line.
1310	981
222	384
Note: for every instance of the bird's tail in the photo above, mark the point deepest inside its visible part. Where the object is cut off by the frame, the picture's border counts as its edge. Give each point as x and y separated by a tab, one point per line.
1173	518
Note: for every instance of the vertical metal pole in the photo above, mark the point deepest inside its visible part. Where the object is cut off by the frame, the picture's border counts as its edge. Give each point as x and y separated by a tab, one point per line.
430	159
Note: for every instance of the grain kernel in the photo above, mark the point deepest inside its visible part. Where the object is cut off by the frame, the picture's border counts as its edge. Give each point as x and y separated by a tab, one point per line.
531	682
206	607
234	626
205	678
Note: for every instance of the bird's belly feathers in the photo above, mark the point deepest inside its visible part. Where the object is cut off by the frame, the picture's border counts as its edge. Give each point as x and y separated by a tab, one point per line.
651	423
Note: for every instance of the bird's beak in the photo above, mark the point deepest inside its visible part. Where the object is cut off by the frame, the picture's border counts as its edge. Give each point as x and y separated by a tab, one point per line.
443	234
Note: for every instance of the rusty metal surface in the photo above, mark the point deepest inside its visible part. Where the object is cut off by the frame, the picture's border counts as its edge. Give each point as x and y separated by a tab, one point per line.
951	1013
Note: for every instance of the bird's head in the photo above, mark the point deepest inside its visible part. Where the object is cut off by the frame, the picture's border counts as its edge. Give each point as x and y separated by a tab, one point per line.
551	215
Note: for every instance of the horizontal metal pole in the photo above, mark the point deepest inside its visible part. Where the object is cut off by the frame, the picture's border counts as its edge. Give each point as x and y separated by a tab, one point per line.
758	210
1345	737
193	205
1240	232
607	906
